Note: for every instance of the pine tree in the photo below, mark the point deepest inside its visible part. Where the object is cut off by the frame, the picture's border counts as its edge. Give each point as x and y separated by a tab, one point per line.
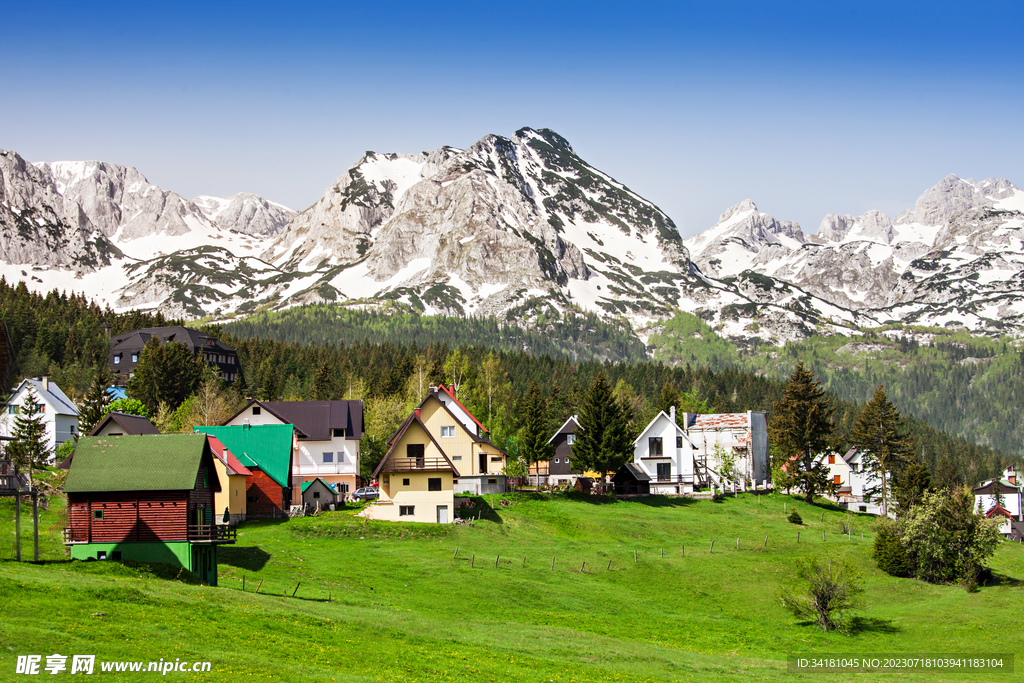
602	442
667	399
534	435
910	484
802	428
30	448
878	433
323	384
95	401
166	373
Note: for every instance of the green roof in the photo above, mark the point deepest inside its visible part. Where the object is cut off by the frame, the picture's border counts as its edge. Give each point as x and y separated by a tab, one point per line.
268	447
143	462
307	484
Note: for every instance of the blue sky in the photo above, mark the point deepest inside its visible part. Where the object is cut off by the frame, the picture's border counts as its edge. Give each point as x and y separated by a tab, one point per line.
804	107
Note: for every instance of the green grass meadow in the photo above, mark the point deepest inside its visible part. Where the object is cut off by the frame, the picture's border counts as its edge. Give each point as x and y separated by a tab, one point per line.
380	601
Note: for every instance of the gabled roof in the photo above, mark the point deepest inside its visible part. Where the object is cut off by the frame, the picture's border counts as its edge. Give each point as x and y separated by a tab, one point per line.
568	427
474	437
314	420
413	418
53	395
679	430
631	469
194	339
988	487
131	424
451	394
268	447
998	511
144	462
720	421
234	467
307	484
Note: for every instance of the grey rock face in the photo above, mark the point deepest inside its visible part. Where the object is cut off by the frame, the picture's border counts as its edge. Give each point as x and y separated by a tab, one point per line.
39	227
874	226
246	213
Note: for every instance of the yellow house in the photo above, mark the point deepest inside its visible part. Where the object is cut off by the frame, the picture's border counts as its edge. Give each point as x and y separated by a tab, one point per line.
230	470
416	478
464	440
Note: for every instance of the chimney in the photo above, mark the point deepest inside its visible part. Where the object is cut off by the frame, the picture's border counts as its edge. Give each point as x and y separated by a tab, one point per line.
46	383
417	411
672	413
451	389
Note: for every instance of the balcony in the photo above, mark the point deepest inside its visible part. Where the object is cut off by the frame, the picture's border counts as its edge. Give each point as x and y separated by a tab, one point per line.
212	533
325	468
72	536
672	479
417	464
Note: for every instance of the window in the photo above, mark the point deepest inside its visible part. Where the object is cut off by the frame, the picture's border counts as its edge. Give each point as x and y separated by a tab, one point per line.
117	358
405	482
492	481
12	409
316	494
455	481
679	442
256	410
135	358
344	488
853	468
406	510
557	461
456	457
570	439
415	451
434	484
42	408
497	458
664	471
654	446
101	554
97	514
838	479
231	360
206	478
328	457
831	460
339	432
447	432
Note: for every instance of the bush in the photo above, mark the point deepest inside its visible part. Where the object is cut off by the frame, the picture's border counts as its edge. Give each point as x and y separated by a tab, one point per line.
888	552
823	592
795	517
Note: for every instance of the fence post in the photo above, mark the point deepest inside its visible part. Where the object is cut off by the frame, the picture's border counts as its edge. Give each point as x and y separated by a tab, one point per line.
682	551
712	547
456	553
609	565
737	544
798	537
663	553
258	586
472	563
524	561
243	583
296	588
765	541
552	563
823	534
496	561
634	557
583	566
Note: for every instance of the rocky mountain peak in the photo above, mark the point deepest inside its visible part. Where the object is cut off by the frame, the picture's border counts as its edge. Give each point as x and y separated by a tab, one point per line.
951	195
873	226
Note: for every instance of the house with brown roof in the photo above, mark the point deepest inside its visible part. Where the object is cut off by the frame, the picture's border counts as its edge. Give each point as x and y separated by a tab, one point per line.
416	477
126	350
327	437
119	424
743	436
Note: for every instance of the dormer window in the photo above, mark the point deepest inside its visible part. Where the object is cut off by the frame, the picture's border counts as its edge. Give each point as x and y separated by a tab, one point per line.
339	433
570	439
255	410
135	358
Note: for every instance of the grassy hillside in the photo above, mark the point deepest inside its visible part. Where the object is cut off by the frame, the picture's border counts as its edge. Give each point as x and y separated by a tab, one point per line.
403	609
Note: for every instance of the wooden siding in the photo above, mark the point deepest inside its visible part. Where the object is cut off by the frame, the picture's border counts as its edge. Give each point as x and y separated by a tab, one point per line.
128	516
270	495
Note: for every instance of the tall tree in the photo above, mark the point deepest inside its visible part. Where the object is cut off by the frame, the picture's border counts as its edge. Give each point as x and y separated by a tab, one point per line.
166	373
534	435
95	401
456	369
668	398
886	449
323	383
802	428
30	447
602	442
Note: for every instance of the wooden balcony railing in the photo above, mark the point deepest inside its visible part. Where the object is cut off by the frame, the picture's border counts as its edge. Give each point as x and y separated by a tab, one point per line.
212	533
413	464
78	535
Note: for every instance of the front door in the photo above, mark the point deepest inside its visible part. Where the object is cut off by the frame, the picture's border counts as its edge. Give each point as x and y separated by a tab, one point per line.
442	514
483	463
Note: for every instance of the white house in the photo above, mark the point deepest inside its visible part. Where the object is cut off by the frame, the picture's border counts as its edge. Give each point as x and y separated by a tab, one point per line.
60	415
327	439
665	453
1011	512
744	436
847	473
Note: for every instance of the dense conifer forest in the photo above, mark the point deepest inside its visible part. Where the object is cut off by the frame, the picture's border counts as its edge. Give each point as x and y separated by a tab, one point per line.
390	361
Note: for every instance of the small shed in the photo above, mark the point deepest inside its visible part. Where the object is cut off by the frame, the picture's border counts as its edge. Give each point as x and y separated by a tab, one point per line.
631	480
584	485
319	492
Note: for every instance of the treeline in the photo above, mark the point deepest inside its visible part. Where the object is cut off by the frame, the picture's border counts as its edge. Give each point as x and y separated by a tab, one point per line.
60	334
392	377
576	335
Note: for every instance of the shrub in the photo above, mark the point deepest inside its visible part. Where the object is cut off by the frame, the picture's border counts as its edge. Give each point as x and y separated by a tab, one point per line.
823	592
795	517
889	553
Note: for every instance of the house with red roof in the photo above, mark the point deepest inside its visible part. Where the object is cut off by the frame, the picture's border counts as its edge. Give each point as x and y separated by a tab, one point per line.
229	504
466	440
1003	499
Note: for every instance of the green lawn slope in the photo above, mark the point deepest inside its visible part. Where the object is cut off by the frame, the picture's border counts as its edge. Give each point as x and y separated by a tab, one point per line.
381	601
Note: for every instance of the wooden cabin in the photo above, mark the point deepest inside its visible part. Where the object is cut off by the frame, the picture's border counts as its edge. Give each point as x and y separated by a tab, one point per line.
148	498
631	479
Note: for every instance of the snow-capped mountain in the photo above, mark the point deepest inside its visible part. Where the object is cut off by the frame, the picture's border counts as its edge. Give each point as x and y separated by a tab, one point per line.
514	226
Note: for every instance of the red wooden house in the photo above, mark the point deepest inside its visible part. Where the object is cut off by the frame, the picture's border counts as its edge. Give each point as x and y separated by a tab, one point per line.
147	498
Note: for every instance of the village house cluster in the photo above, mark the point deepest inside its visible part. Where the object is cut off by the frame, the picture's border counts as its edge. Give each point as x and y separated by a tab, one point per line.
134	493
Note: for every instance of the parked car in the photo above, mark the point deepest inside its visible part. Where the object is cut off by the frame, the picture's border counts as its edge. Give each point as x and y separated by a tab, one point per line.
368	493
